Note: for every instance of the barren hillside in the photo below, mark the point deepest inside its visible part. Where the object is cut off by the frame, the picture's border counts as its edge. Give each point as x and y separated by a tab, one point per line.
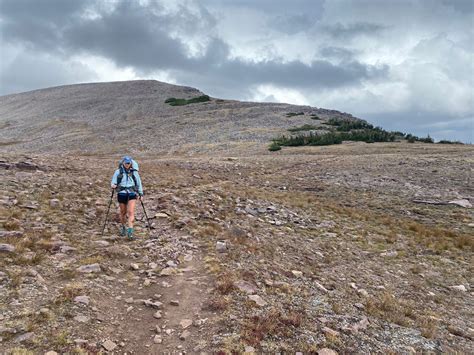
107	117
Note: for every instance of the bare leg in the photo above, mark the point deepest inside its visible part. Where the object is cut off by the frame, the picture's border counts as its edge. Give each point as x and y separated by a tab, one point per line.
123	213
131	212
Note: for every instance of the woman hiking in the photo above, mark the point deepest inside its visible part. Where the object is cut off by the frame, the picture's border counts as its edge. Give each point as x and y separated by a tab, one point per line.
129	185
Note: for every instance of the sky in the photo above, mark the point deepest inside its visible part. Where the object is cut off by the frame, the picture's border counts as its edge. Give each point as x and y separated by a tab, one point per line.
404	65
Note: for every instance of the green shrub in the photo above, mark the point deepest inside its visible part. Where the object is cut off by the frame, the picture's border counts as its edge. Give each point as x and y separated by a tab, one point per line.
346	125
314	117
306	127
180	102
274	146
444	141
291	114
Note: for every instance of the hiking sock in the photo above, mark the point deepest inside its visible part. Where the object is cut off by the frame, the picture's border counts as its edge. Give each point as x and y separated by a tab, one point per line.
123	231
130	233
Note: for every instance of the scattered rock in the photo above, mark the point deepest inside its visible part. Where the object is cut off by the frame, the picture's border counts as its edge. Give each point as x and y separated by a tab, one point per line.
7	248
86	269
258	300
326	351
157	339
157	315
168	271
82	299
330	332
174	303
297	273
11	234
221	246
81	319
134	266
54	203
185	323
246	287
462	203
461	288
24	337
109	345
51	352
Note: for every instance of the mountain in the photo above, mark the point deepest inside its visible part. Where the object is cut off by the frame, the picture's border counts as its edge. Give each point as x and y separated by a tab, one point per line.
133	115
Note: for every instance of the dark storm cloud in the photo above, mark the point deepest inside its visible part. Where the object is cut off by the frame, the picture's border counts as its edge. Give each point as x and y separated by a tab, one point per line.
348	31
138	36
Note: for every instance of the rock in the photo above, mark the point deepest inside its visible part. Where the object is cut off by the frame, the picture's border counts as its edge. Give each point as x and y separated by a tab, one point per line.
330	332
82	299
7	248
174	303
462	203
161	215
109	345
11	234
320	287
101	243
134	266
461	288
86	269
246	287
24	337
185	323
81	319
152	304
221	246
157	315
361	325
146	283
157	339
258	300
66	249
129	300
249	349
54	203
297	273
51	352
184	335
171	263
326	351
168	271
363	292
468	334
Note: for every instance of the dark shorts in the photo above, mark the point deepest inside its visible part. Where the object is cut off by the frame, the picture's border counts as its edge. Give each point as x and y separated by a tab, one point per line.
125	197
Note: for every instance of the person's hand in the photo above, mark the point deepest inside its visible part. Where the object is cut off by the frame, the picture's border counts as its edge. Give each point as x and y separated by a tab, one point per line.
140	197
114	186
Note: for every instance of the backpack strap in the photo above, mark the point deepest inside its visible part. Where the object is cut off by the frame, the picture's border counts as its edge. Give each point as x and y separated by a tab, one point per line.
120	177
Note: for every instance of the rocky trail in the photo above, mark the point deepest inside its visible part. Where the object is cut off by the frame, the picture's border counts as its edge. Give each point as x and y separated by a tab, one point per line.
315	250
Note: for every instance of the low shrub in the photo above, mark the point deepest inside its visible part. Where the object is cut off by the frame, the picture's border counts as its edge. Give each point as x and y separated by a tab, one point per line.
291	114
181	102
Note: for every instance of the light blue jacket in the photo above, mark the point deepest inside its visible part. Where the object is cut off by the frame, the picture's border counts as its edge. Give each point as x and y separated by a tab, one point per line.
127	181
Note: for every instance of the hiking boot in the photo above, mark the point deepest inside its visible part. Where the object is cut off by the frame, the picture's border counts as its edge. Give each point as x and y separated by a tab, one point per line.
130	233
123	231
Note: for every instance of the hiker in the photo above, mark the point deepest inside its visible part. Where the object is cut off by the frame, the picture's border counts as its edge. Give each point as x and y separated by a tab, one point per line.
129	185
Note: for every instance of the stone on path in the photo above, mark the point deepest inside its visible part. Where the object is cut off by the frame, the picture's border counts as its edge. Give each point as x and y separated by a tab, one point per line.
246	287
174	303
330	332
461	288
81	319
157	315
221	246
185	323
7	248
82	299
258	300
462	203
157	339
87	269
297	273
168	271
326	351
109	345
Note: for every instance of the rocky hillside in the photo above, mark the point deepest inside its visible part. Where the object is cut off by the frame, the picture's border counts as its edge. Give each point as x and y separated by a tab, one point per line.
107	117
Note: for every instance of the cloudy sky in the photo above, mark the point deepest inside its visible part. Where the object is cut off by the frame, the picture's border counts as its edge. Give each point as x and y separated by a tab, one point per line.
403	64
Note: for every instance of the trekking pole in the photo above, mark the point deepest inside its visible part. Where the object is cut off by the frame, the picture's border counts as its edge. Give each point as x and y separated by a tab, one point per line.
108	209
146	216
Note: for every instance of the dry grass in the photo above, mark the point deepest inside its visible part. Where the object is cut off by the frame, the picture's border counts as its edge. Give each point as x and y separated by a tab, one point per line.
225	283
268	324
68	293
385	306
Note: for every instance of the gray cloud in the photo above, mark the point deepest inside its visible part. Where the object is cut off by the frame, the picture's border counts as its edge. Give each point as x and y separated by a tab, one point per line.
138	36
349	31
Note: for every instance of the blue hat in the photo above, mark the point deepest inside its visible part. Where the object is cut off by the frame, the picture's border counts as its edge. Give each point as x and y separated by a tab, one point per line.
126	159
